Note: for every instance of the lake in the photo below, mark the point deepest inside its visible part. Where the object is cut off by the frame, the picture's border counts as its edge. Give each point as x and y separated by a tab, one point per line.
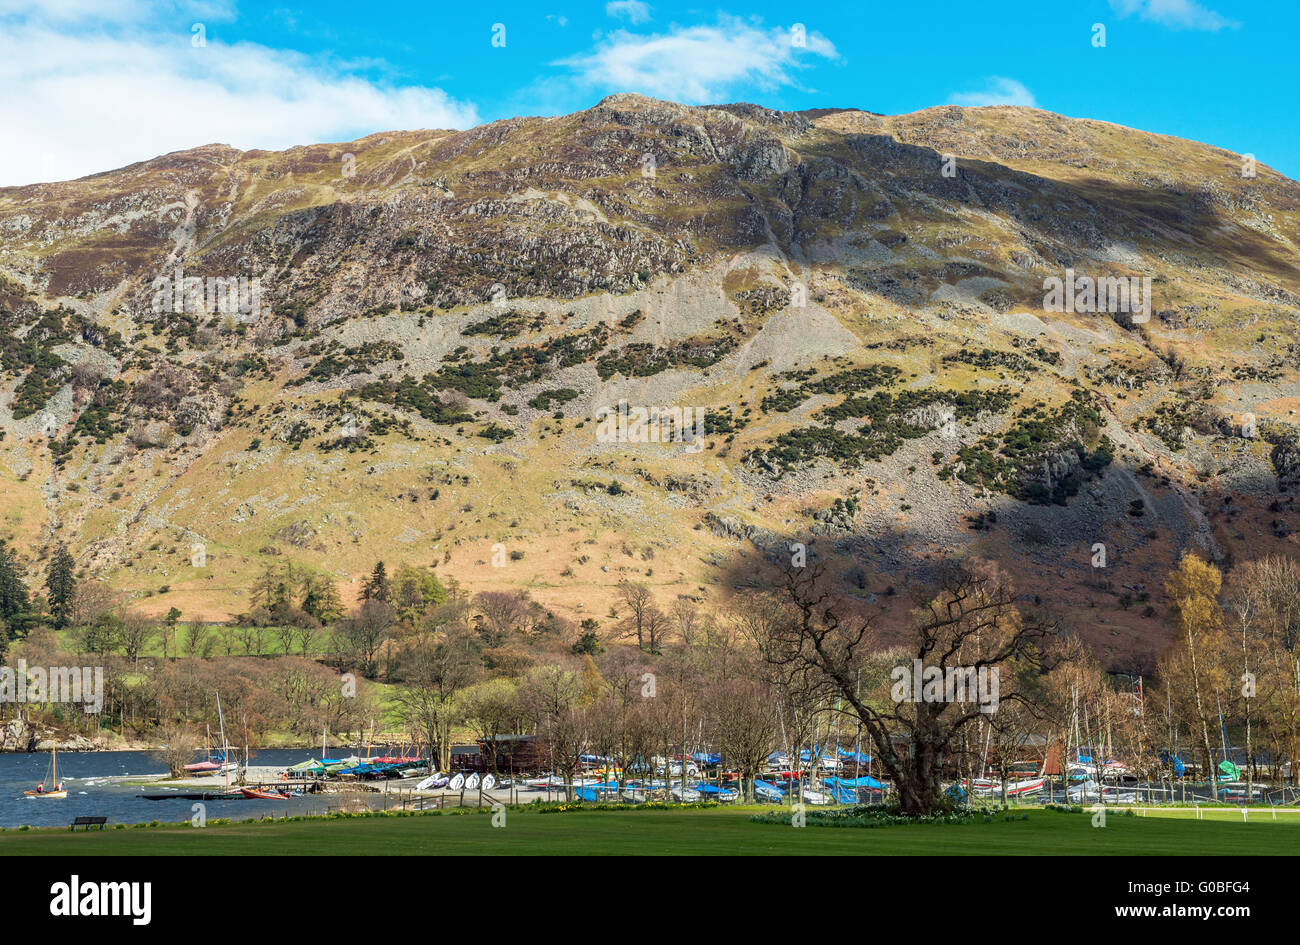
94	781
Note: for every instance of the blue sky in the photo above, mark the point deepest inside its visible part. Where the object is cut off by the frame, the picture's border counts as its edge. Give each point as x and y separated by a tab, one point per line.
95	84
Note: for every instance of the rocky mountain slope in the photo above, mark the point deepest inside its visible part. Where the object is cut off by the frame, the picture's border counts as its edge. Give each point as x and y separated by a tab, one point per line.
855	300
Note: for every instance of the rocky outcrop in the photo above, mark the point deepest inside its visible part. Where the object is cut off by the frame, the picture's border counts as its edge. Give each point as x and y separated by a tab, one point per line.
840	516
69	743
736	530
20	735
929	417
1286	463
17	735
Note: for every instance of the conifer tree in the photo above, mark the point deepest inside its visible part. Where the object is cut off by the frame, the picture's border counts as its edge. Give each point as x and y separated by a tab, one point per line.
14	598
377	586
61	583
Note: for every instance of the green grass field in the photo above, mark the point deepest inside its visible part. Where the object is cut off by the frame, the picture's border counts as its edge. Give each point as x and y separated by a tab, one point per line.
694	832
224	640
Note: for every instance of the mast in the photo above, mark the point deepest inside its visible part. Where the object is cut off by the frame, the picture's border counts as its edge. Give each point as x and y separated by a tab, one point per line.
54	762
225	767
1223	732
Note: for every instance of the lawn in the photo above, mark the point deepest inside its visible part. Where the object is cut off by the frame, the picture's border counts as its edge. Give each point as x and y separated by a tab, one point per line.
706	832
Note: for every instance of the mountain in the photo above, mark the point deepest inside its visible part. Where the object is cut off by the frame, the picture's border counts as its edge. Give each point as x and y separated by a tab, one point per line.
855	301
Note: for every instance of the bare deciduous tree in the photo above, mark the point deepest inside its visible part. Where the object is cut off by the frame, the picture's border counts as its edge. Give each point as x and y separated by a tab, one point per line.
970	625
179	743
744	726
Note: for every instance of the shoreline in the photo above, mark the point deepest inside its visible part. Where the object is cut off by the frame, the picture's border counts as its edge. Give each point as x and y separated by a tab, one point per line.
79	746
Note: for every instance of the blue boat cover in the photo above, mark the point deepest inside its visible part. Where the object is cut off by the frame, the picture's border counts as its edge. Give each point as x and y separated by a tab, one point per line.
842	793
846	789
713	789
806	755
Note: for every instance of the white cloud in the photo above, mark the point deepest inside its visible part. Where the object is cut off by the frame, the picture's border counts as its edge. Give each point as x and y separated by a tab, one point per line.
73	12
999	91
634	11
1178	14
697	64
81	102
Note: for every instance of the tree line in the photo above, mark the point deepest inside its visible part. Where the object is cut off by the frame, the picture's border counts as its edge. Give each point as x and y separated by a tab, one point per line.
795	663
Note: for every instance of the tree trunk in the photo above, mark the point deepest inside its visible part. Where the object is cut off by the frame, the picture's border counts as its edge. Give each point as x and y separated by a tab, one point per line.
920	791
1200	710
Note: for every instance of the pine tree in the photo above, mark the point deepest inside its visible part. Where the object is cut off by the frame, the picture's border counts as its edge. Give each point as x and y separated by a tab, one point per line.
321	599
271	589
588	643
14	599
377	586
61	583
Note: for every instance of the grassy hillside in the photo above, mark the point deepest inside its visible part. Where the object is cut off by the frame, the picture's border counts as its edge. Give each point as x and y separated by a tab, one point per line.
446	312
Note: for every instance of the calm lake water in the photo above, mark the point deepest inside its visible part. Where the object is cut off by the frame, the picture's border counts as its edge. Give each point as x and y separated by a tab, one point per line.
95	784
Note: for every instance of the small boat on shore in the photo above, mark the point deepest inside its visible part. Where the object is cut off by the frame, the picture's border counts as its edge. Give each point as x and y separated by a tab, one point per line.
311	768
1092	791
260	795
988	787
337	765
214	762
548	783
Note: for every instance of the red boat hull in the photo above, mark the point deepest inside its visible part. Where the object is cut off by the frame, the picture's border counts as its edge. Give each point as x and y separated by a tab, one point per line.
255	794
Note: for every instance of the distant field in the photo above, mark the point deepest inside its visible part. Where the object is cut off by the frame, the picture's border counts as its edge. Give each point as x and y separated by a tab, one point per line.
223	640
227	642
692	833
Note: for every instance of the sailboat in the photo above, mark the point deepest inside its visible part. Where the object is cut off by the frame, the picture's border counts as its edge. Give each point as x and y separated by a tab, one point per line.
213	762
225	748
54	779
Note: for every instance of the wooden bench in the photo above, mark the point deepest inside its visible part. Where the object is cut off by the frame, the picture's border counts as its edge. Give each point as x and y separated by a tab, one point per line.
89	822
